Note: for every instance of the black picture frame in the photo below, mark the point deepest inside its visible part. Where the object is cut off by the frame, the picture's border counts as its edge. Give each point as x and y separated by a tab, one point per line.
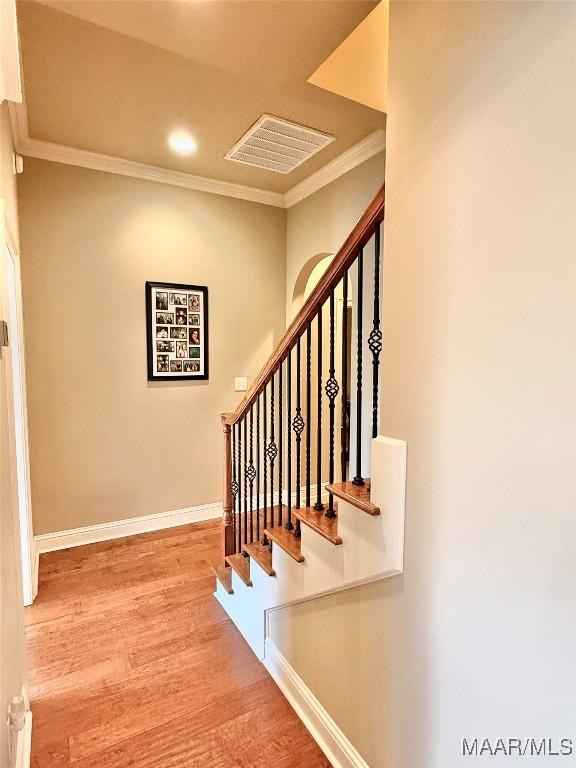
159	301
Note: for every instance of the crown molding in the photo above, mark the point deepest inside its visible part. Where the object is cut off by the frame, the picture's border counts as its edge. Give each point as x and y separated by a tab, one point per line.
58	153
374	143
45	150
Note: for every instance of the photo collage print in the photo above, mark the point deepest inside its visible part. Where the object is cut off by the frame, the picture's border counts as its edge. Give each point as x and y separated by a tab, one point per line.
177	333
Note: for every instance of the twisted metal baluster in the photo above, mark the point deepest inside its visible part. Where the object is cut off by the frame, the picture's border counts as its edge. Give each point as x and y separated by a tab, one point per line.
265	444
234	485
272	452
258	468
332	388
345	440
250	473
298	426
245	481
280	447
289	526
308	410
358	479
375	337
319	506
239	478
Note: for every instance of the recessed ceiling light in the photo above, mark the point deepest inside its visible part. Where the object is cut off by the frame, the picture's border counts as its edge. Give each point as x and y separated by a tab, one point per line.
182	143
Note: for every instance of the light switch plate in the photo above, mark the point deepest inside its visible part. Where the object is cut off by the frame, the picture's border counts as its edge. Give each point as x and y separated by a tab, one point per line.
240	384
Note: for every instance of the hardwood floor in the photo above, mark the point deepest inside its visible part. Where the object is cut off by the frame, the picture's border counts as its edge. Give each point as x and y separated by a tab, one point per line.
132	662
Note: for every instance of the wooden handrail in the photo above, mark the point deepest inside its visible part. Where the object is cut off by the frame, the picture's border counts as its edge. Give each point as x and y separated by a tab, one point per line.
345	257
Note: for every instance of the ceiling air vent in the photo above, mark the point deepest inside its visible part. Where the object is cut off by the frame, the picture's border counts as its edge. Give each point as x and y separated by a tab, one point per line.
277	145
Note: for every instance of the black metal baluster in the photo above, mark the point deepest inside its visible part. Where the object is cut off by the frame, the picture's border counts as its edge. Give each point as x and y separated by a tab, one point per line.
234	485
258	467
280	446
375	337
358	479
251	474
308	410
265	481
344	426
245	480
239	478
319	506
289	525
298	426
332	388
272	451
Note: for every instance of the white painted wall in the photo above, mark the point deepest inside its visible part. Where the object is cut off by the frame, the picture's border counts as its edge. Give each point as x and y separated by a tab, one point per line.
478	637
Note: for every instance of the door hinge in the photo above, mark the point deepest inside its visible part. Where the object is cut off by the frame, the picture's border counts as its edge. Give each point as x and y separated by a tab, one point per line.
4	339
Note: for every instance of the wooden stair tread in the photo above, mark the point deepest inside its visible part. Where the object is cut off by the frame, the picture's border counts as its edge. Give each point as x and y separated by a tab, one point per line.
260	554
241	565
286	541
325	526
224	576
357	495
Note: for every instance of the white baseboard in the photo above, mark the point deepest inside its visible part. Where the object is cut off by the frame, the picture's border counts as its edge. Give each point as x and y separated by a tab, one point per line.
36	569
24	744
91	534
77	537
335	745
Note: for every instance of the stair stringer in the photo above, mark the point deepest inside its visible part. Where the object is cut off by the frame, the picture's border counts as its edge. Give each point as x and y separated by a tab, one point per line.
372	549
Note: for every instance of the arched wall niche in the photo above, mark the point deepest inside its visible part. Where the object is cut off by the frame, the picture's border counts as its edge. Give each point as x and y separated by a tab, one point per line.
308	278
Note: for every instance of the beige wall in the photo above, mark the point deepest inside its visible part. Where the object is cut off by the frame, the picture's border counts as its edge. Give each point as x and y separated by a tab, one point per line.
12	664
105	444
478	638
319	224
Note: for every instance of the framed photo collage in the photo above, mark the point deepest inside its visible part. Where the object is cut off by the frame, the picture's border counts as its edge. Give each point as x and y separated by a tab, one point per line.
177	331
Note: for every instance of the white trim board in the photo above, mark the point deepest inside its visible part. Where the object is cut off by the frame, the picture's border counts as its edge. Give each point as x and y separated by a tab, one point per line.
24	743
77	537
22	464
351	158
24	738
58	153
331	591
325	732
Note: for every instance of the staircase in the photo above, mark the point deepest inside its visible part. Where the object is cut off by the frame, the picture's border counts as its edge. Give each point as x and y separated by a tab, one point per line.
292	529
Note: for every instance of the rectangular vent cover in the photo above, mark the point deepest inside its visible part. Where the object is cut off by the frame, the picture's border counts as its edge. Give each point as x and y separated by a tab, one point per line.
277	145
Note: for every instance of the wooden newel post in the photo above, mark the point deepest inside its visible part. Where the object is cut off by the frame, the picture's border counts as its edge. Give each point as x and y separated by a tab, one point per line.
227	500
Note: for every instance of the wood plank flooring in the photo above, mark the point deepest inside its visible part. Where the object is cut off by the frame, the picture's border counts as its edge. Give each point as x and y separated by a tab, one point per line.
132	662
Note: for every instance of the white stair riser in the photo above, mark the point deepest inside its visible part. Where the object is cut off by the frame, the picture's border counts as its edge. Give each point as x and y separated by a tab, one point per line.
372	548
246	613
